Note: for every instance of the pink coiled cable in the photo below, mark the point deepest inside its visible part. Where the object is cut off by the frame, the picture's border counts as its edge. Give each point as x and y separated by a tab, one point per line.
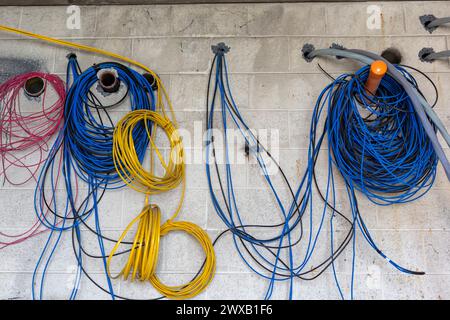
25	134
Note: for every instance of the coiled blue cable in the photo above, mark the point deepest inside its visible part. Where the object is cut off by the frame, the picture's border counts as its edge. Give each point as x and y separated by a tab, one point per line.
83	149
379	146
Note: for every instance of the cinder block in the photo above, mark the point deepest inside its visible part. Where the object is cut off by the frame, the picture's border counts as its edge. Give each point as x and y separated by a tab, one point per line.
89	291
18	209
285	91
182	252
299	128
437	251
250	203
408	46
122	21
413	10
110	209
15	286
143	290
232	286
33	52
287	19
86	59
193	209
399	287
186	88
292	162
366	286
227	256
256	54
360	19
404	247
432	207
195	20
322	287
395	244
138	290
55	21
185	92
434	286
173	55
10	16
403	216
269	125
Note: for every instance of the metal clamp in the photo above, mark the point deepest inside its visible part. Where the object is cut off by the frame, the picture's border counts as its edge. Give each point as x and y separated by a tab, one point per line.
424	53
431	23
306	50
339	47
220	49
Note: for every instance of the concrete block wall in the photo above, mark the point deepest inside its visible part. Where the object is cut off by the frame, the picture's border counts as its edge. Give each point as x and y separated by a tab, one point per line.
275	88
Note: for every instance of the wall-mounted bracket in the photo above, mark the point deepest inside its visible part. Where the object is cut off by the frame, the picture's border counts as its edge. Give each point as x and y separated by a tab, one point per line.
339	47
220	49
431	23
424	54
306	50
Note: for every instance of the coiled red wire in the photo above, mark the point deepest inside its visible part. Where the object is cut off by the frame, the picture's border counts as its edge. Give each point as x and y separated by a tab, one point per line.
25	134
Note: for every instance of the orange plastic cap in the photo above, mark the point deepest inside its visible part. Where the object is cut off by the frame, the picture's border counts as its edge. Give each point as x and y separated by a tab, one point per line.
378	68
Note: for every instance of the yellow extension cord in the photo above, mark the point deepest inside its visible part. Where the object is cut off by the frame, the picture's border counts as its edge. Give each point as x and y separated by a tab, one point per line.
143	257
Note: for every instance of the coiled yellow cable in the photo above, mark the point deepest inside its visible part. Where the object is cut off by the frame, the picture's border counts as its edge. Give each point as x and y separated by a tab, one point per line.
144	254
143	257
127	163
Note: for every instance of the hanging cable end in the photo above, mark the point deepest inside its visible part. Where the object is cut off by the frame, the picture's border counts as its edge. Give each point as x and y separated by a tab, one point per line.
220	49
424	54
306	51
338	47
425	20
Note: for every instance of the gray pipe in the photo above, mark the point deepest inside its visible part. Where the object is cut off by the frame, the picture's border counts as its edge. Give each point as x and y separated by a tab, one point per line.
419	103
438	22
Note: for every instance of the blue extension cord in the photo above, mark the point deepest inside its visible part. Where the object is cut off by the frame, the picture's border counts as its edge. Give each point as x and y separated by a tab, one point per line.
84	146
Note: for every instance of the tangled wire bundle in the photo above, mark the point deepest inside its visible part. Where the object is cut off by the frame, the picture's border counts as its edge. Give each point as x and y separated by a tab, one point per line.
85	149
377	141
25	133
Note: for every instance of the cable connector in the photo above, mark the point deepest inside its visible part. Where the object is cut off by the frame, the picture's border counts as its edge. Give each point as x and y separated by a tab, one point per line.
425	20
424	53
338	47
306	50
71	55
220	49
